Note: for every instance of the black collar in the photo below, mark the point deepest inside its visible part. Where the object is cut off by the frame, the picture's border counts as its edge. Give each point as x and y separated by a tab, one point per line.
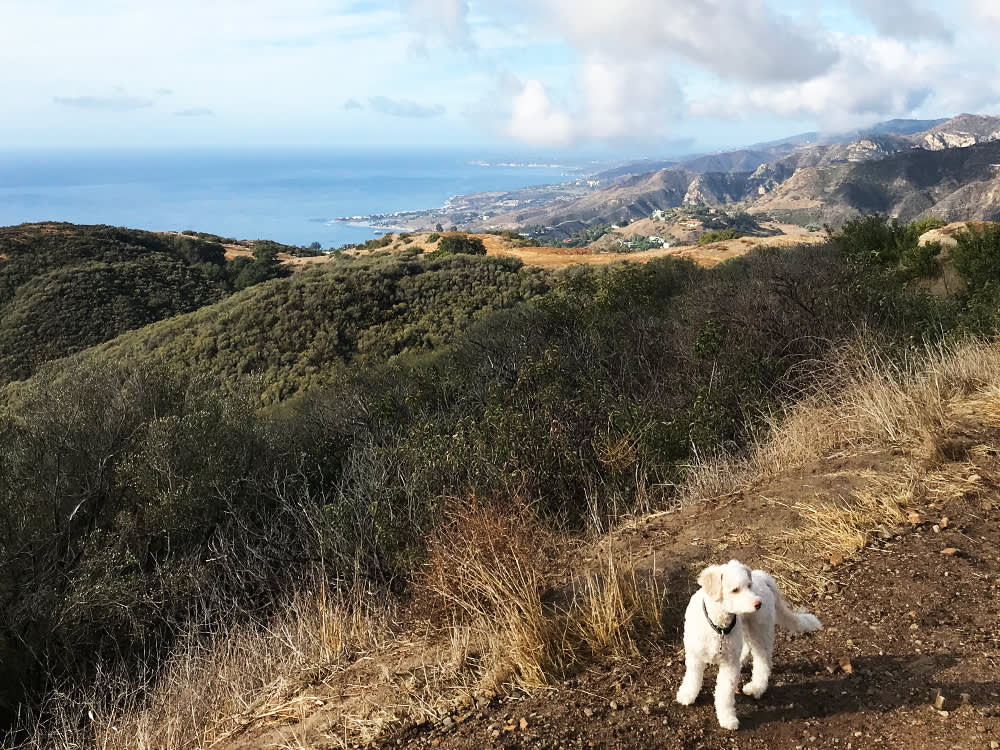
721	631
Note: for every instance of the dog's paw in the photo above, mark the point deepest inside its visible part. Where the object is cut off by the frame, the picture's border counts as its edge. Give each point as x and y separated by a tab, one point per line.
729	722
754	691
686	696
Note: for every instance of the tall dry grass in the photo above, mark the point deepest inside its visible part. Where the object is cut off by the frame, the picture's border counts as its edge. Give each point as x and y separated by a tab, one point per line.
220	679
481	626
860	400
493	572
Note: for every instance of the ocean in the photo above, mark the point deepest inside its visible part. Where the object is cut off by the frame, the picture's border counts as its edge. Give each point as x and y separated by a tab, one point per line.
287	195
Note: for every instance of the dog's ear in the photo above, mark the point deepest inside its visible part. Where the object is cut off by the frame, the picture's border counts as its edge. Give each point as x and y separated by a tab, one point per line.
710	579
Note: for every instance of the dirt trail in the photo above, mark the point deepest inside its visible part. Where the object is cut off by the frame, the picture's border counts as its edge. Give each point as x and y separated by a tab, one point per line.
903	623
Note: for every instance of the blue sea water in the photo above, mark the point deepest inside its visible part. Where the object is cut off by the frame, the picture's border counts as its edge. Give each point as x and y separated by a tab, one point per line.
287	195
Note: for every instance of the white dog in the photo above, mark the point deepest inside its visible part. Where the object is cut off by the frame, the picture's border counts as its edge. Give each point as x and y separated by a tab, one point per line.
732	615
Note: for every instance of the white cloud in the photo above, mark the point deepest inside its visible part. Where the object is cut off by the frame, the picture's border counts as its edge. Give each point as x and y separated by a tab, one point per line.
873	78
442	19
903	19
983	10
740	39
535	119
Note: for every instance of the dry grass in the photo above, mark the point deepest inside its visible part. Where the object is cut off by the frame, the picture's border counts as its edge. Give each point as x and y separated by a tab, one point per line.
220	680
488	629
492	570
862	402
612	608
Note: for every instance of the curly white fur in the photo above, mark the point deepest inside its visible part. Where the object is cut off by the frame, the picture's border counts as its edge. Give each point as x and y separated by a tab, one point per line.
751	597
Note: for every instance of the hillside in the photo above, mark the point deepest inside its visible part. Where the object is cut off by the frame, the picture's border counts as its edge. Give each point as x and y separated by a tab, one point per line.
796	177
957	184
294	334
631	199
65	287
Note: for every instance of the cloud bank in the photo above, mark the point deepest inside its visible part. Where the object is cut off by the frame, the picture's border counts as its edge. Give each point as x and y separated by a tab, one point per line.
640	66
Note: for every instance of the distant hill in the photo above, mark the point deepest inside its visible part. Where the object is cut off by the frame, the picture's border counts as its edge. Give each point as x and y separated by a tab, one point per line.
805	179
956	184
64	287
292	333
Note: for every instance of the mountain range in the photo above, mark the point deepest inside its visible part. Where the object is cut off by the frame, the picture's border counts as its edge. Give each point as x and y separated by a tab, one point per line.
904	168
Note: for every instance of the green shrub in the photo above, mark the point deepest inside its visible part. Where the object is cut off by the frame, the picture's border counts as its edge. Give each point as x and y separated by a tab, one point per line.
460	244
977	254
719	235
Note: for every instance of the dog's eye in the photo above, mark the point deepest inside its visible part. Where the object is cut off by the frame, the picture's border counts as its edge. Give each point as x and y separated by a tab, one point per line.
736	590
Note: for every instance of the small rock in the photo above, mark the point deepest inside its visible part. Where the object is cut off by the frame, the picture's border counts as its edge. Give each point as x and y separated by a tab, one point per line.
950	551
915	518
974	478
836	559
944	522
994	745
614	706
857	734
588	712
936	528
845	664
645	710
944	714
939	701
523	723
495	733
448	722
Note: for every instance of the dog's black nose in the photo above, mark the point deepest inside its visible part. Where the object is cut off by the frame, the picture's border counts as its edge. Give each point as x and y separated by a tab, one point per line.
757	605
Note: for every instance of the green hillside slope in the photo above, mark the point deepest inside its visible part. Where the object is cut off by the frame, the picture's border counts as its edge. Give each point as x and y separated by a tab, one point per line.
64	287
292	333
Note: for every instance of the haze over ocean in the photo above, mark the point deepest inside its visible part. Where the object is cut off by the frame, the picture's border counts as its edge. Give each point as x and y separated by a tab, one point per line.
286	195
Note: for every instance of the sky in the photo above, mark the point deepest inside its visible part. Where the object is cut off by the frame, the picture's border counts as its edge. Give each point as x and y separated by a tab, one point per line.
638	77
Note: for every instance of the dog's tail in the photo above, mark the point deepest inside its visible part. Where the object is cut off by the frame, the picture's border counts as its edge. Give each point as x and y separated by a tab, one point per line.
791	620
